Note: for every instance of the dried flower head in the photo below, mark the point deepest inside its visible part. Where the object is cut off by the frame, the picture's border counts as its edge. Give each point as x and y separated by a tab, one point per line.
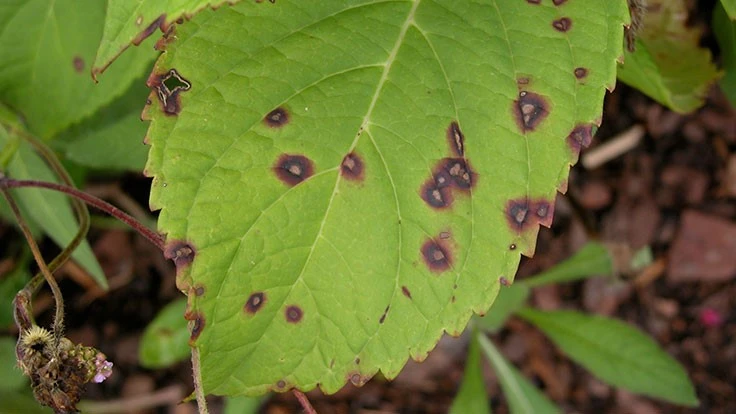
36	337
59	369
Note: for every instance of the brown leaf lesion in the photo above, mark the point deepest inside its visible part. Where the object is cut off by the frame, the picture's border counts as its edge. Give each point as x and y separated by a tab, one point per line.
168	87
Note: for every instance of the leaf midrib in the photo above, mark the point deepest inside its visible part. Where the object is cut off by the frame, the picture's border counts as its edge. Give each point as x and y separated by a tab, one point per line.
365	130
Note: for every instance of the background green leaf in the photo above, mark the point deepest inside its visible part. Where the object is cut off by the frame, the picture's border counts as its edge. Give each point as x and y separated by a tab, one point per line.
593	259
523	397
616	353
112	139
243	405
315	273
729	7
10	285
471	396
20	402
46	51
509	300
132	21
669	65
49	210
11	378
725	31
164	341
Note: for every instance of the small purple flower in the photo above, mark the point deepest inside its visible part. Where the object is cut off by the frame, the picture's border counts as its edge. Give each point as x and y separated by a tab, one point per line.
711	318
104	368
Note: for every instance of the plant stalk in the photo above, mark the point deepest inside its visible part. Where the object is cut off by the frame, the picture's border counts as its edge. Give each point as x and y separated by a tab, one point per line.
304	401
198	390
59	314
91	200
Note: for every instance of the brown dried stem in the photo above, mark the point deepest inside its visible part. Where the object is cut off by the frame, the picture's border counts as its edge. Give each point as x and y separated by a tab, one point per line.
304	401
198	390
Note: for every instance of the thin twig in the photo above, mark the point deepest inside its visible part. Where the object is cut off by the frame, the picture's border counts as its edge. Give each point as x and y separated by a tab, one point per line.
304	401
169	395
616	146
651	273
93	201
113	193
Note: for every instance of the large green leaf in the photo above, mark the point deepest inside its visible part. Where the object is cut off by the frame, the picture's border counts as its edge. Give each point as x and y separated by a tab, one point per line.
523	397
616	353
49	210
472	396
132	21
725	31
46	51
353	178
669	65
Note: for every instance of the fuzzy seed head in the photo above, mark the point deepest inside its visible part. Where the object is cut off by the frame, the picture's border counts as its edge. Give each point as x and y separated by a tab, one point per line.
36	338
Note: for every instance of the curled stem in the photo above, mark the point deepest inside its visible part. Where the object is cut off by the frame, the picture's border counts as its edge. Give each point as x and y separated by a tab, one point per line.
59	316
82	214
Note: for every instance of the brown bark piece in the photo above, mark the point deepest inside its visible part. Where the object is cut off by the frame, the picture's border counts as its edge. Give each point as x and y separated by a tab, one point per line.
703	250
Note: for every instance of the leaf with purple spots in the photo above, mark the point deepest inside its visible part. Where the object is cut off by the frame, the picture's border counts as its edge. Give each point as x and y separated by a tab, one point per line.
358	177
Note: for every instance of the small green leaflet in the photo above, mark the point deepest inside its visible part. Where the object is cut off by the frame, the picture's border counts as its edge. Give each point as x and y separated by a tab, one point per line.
471	396
616	353
164	342
522	396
